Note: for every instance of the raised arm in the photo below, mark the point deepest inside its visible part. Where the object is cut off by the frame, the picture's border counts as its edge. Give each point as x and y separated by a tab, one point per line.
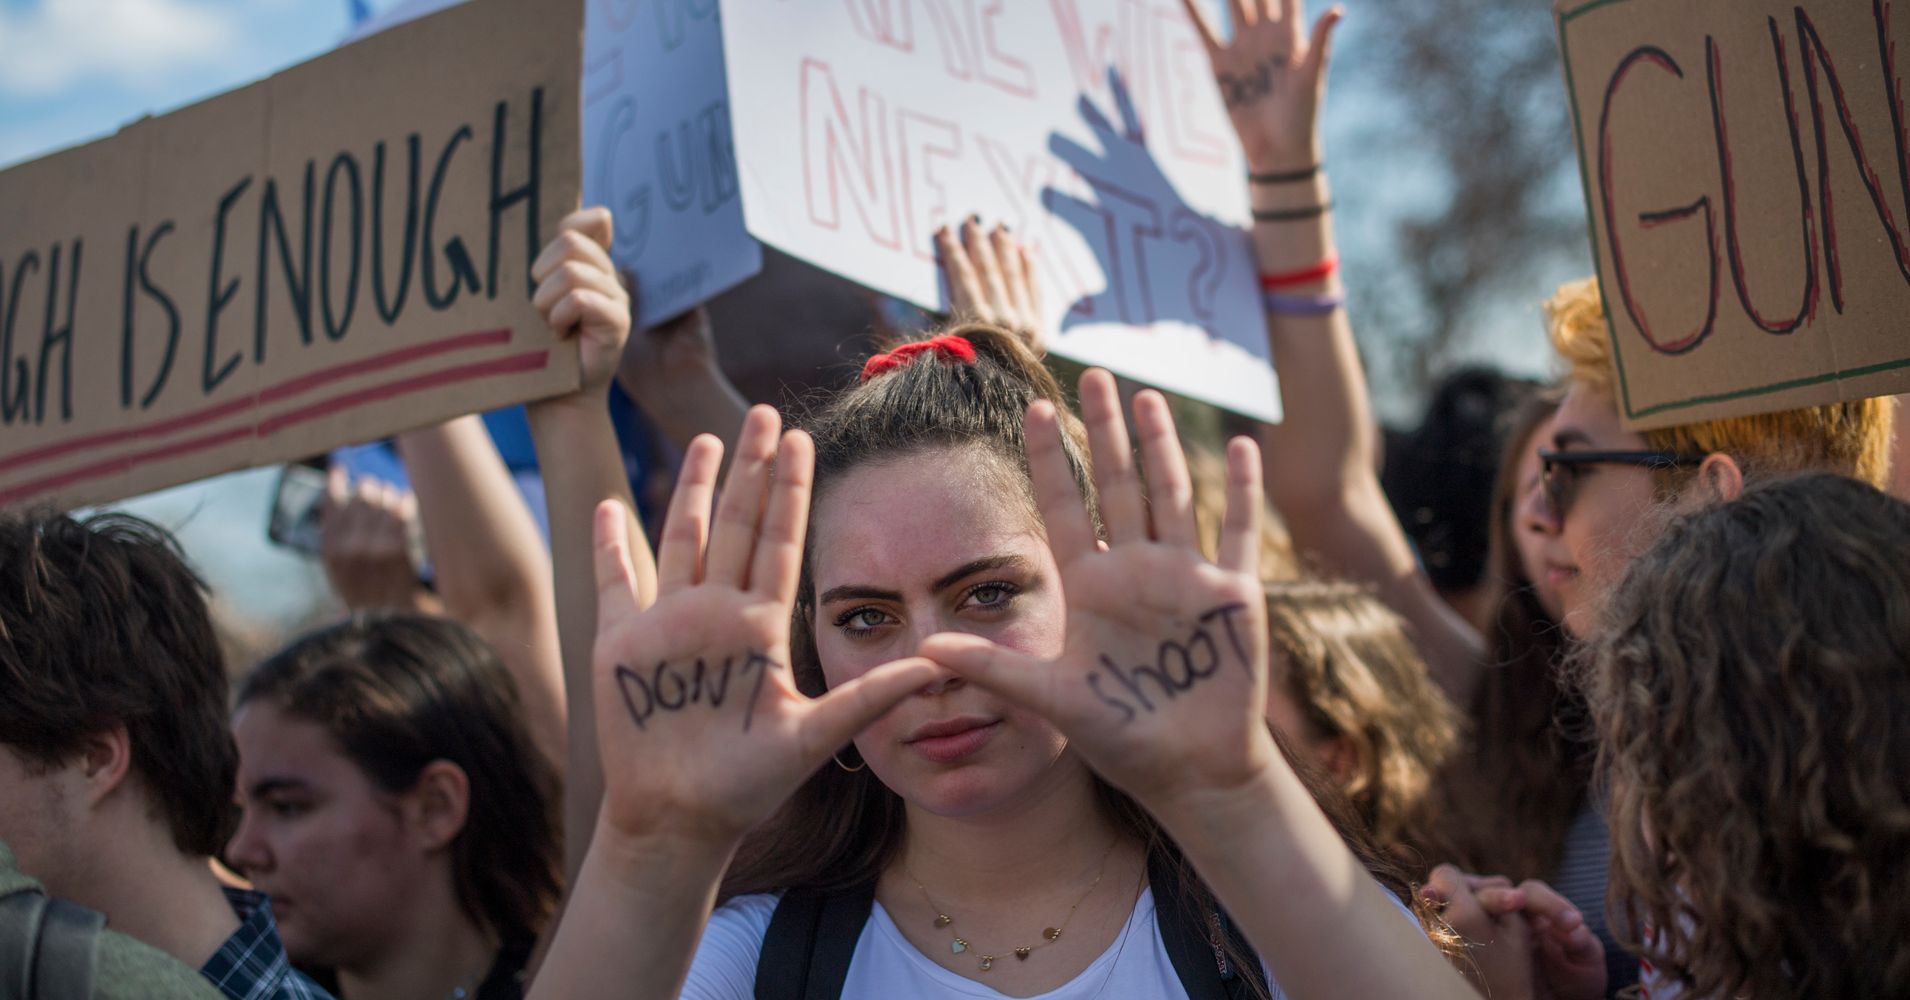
365	546
672	374
577	450
1161	688
493	574
1322	463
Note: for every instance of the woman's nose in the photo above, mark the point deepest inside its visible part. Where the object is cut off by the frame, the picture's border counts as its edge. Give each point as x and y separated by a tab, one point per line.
246	850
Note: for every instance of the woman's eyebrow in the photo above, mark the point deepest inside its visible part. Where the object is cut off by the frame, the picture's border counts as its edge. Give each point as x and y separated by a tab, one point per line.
858	592
981	565
267	786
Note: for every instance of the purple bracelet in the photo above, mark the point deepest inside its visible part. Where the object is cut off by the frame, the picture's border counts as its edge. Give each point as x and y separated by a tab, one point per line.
1304	305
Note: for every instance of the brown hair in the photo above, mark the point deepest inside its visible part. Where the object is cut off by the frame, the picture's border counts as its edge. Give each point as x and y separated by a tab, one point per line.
849	824
1208	472
1510	796
1356	676
102	624
399	691
1852	438
1752	699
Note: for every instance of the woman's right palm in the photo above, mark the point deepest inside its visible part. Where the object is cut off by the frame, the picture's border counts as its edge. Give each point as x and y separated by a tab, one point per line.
699	721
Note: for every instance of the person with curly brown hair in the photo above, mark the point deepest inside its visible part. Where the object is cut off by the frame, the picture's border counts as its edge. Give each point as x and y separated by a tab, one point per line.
1751	696
1350	692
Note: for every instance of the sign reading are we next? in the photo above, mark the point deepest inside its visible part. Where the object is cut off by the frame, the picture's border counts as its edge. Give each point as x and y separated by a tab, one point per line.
336	253
1091	127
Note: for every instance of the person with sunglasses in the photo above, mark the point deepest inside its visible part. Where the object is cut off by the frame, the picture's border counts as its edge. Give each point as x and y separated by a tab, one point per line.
1612	490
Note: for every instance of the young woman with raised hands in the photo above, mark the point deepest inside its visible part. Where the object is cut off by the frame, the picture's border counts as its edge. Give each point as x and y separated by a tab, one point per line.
958	844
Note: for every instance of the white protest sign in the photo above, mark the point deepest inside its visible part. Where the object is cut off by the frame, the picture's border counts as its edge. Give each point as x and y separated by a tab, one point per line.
1091	127
656	147
657	151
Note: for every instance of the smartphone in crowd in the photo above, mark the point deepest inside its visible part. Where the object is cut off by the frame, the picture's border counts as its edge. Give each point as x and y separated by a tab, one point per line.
297	504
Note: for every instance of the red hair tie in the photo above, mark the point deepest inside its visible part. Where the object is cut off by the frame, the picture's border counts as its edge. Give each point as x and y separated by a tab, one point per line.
948	348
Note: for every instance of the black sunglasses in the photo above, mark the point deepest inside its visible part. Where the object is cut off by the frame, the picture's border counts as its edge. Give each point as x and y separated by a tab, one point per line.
1559	475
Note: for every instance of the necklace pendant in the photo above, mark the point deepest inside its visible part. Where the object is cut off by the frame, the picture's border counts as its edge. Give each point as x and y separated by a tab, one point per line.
1052	933
958	946
943	920
1022	953
988	962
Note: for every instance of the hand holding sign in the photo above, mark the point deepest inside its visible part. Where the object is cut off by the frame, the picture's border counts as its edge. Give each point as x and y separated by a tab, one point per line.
1164	675
702	731
578	290
1272	78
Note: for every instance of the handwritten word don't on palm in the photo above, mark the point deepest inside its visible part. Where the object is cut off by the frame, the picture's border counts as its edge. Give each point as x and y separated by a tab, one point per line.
677	687
1179	666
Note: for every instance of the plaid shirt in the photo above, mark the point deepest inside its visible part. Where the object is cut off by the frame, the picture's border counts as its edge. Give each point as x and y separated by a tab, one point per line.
251	965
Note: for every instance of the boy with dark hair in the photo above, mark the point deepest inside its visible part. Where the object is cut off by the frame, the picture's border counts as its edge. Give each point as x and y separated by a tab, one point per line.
116	760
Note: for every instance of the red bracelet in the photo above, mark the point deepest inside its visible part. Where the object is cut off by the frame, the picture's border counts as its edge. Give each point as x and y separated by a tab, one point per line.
1323	269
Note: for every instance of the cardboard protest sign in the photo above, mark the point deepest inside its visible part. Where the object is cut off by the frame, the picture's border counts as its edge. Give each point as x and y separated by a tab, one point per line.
332	254
656	146
657	151
1748	182
1091	127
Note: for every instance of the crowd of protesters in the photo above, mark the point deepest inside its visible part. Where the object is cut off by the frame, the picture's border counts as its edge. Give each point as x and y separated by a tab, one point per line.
962	682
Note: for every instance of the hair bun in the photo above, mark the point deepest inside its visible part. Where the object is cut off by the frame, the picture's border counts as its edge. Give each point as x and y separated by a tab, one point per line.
946	347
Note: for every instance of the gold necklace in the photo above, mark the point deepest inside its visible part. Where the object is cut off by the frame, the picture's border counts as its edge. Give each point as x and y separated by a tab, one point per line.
1049	936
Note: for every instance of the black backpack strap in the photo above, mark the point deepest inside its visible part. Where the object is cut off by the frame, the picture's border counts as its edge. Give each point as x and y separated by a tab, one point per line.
1195	943
810	942
48	947
69	950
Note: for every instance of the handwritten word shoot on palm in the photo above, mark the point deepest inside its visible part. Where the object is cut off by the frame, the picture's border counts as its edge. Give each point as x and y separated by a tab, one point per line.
1178	665
1747	175
324	257
1091	127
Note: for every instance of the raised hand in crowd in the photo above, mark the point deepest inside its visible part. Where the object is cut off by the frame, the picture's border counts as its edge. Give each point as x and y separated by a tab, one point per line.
1523	941
1322	462
365	545
493	574
701	724
1161	688
580	296
991	277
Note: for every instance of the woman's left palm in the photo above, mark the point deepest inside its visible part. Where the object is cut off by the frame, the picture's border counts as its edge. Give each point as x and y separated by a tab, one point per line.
1162	680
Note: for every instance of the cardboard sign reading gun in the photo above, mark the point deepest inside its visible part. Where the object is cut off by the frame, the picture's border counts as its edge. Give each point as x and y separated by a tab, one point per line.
1747	172
330	255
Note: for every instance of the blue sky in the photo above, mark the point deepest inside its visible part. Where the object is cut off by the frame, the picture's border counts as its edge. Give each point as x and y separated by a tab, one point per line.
74	70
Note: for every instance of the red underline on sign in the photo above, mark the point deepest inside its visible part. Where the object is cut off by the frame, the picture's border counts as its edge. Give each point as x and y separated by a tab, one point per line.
271	394
513	364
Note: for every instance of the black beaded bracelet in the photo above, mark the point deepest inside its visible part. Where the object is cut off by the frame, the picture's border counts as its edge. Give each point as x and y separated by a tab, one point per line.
1290	178
1291	214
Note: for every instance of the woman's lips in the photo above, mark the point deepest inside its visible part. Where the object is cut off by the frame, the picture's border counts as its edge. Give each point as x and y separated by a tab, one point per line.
949	747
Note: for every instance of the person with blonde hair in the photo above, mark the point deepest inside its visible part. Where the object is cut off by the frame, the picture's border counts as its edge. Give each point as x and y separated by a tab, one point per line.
1604	481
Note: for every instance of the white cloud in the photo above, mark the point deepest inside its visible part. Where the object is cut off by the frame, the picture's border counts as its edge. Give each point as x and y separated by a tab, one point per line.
47	48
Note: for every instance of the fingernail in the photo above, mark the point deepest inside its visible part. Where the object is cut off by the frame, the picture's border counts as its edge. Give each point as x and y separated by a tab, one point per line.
975	220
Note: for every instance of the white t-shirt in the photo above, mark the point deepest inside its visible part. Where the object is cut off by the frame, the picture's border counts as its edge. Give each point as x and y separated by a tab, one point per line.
886	965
